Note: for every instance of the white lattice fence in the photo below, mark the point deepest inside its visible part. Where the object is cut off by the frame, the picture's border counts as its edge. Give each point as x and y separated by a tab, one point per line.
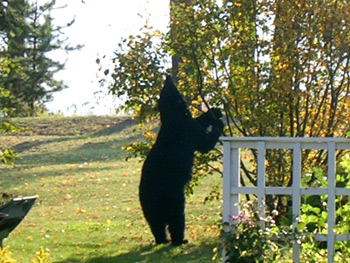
233	189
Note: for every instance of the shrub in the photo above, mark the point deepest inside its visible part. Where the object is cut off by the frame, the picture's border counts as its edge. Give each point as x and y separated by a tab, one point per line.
246	242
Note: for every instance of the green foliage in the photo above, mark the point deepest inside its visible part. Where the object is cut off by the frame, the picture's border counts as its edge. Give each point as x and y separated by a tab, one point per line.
7	156
311	252
244	241
276	68
313	218
139	148
138	73
26	70
7	126
206	165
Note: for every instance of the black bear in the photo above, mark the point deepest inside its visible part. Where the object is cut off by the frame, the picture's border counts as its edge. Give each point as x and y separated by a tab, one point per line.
168	166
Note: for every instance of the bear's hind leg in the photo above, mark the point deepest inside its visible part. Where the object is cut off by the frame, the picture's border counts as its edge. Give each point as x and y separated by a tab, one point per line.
177	233
158	228
177	226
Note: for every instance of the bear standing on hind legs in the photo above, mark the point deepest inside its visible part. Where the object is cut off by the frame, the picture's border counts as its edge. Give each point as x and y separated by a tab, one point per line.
168	166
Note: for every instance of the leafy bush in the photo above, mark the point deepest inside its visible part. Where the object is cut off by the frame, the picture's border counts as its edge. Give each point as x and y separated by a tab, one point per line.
244	241
313	218
247	242
7	156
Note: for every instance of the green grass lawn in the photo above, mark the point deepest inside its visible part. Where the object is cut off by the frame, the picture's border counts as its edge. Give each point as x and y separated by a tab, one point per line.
88	208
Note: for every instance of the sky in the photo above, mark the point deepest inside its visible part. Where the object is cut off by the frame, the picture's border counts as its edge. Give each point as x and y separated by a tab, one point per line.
99	26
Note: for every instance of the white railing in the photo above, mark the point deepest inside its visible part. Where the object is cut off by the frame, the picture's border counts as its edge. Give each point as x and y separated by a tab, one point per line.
232	188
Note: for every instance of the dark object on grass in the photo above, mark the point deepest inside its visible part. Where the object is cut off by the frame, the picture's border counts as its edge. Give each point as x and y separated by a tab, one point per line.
12	213
168	167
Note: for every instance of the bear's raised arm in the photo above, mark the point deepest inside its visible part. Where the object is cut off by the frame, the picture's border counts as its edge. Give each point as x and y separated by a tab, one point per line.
210	117
176	116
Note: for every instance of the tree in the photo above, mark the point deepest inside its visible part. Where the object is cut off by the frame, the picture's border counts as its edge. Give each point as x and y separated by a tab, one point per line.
277	68
28	36
173	32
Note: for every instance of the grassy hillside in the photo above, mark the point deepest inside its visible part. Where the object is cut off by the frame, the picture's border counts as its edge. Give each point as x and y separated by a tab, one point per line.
88	208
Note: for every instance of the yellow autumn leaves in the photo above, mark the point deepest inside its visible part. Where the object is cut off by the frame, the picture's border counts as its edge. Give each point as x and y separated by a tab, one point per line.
41	256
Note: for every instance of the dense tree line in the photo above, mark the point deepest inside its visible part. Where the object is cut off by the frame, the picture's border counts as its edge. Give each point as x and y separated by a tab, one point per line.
27	36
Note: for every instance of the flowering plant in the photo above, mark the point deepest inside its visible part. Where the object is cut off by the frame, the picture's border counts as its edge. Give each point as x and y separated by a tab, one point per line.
245	241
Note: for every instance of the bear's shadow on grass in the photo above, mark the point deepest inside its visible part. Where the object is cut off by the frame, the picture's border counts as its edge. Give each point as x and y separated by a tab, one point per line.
161	253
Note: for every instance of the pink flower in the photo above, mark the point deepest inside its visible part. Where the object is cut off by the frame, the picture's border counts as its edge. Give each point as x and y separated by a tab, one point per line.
239	217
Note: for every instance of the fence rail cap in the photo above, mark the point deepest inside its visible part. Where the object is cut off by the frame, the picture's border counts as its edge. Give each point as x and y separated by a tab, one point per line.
285	139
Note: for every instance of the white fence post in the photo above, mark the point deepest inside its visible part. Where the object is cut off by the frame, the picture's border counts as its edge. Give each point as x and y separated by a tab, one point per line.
236	179
227	183
232	188
261	181
331	201
296	195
